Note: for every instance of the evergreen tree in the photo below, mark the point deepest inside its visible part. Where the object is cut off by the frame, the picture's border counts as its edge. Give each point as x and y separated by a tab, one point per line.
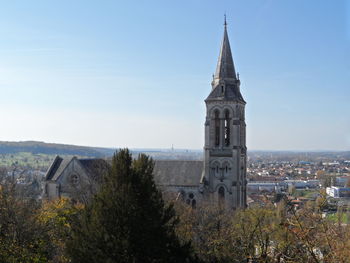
128	221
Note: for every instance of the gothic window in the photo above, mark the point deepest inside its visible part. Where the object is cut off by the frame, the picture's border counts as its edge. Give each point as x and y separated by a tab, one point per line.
194	203
191	201
221	194
227	128
217	128
74	179
215	167
216	170
226	169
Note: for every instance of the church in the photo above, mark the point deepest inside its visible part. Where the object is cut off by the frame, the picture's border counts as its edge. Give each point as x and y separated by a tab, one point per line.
220	178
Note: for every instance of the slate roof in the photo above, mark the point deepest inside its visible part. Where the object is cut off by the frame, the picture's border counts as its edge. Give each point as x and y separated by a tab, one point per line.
231	92
56	167
225	67
174	172
225	75
94	167
61	168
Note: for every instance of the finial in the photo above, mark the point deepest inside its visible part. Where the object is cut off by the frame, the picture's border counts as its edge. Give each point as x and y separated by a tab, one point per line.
225	23
238	75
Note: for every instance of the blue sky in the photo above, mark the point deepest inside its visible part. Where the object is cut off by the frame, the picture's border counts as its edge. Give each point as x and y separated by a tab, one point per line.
136	73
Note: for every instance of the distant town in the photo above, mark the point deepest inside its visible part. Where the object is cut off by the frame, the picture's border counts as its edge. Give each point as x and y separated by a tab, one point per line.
302	177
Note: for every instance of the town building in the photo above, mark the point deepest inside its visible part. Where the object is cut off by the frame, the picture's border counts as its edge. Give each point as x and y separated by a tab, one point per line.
338	192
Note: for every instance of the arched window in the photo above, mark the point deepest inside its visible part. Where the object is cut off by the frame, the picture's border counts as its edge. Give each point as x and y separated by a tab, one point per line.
74	179
227	128
226	167
221	194
217	128
215	168
194	203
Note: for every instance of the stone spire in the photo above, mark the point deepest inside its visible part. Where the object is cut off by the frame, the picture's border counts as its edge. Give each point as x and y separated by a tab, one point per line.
225	68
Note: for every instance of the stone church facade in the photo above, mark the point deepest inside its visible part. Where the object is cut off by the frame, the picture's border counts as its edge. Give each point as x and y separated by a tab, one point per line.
220	178
225	151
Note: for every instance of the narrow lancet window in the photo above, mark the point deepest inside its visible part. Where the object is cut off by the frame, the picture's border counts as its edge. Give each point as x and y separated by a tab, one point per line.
227	128
221	196
217	129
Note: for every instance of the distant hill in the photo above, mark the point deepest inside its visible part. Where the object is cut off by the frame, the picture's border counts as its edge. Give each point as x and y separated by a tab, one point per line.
53	148
35	147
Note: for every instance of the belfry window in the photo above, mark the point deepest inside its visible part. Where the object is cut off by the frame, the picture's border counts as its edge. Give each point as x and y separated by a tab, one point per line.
227	128
217	128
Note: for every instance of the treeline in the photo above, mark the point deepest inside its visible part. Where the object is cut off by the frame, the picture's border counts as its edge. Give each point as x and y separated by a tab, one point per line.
129	221
266	234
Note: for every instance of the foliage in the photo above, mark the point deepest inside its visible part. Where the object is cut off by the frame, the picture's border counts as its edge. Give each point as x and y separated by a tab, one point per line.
56	215
127	221
207	227
22	237
328	180
265	234
308	193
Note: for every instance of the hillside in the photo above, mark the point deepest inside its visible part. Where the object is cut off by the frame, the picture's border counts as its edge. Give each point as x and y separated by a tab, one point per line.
53	148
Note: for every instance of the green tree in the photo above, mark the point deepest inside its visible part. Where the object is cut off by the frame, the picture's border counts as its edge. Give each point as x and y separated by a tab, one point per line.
328	180
127	220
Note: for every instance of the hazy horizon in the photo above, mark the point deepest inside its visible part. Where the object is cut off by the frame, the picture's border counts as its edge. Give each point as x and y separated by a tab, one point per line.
117	74
182	149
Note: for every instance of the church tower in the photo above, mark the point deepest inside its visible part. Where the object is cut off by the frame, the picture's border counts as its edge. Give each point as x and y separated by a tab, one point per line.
225	151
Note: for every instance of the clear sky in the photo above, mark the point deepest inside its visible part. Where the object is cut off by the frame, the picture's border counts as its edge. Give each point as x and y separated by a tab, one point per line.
136	73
